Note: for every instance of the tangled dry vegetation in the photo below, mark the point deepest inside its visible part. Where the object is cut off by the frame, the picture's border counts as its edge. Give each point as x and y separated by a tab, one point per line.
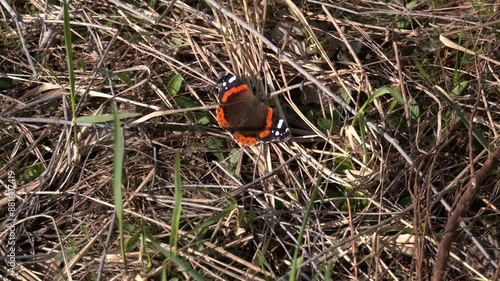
393	108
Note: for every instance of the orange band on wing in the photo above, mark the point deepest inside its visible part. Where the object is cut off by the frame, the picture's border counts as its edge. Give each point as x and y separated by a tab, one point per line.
269	123
233	90
244	140
221	118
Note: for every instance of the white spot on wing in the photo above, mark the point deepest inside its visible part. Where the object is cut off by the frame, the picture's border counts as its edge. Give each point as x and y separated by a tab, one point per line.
280	124
231	80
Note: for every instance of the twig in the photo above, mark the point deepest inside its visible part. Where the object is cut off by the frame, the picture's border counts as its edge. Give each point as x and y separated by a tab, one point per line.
167	10
461	205
52	28
16	18
448	43
49	121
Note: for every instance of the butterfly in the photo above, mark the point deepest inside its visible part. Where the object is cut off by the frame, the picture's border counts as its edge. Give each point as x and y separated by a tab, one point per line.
249	120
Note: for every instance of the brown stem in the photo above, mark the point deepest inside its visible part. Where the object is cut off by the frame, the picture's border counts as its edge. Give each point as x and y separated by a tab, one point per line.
460	207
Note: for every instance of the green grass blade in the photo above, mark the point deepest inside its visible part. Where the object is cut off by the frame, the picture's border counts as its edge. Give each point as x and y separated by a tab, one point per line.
184	266
477	135
176	213
215	218
69	60
378	93
362	133
117	177
460	58
361	116
296	260
105	117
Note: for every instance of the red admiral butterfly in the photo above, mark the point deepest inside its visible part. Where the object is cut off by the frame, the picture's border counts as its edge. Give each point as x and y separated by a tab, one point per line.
245	116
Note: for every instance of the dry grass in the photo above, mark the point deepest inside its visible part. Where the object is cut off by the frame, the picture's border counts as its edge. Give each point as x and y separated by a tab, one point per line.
355	194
